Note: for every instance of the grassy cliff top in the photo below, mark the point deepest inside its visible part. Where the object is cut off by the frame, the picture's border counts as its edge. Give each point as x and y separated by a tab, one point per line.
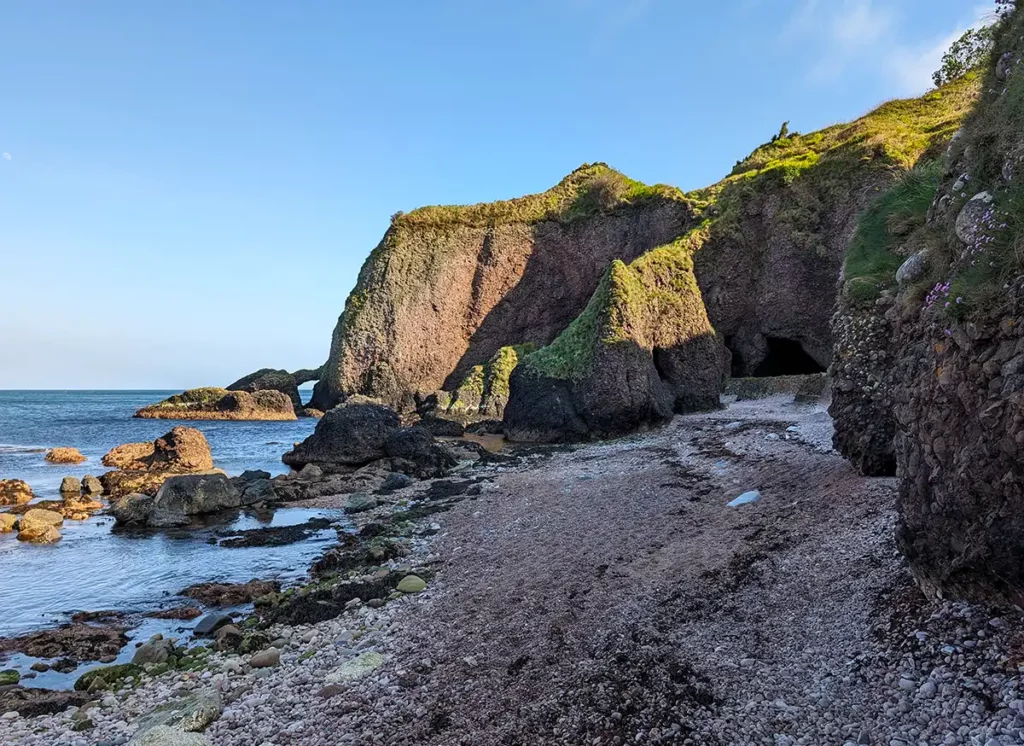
897	134
589	190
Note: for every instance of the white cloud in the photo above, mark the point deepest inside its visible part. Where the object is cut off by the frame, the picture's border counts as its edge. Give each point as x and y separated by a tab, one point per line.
869	33
5	156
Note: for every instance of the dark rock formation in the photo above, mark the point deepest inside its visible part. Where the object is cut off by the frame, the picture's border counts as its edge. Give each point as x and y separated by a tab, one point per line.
352	434
448	287
143	467
179	500
956	381
642	350
268	379
221	404
413	451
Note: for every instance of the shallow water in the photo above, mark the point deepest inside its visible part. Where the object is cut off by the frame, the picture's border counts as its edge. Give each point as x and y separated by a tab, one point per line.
94	568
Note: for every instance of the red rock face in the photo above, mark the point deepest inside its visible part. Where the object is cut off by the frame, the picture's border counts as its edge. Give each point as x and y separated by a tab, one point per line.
432	303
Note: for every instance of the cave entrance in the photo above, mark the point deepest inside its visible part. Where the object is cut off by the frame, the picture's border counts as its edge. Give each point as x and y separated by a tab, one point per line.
737	358
786	357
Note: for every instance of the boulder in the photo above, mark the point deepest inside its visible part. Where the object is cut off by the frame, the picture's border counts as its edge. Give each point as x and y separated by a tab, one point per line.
14	492
254	488
91	485
975	219
64	456
70	485
130	456
221	404
210	623
442	426
414	451
40	526
155	650
351	434
7	521
642	350
266	658
183	449
179	499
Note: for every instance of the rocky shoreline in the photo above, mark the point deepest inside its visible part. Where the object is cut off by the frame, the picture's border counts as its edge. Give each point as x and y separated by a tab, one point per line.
555	610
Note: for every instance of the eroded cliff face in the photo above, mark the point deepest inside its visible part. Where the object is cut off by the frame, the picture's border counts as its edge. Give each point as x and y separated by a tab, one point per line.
955	317
641	351
447	288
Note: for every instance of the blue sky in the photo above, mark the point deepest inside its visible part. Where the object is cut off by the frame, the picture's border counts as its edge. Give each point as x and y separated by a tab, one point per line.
188	189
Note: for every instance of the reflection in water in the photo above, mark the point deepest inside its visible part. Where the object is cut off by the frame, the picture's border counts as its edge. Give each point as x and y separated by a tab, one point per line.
94	568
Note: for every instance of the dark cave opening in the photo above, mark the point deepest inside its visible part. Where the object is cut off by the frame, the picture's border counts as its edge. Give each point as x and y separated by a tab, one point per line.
786	357
737	358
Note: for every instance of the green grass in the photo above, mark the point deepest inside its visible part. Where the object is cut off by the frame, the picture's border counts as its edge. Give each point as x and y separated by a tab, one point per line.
994	133
587	191
871	260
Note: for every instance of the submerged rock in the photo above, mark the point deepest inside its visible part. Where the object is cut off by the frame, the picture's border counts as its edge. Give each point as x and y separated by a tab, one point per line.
77	642
64	456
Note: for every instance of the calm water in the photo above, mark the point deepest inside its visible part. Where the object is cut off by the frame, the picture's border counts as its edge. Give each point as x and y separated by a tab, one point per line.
92	568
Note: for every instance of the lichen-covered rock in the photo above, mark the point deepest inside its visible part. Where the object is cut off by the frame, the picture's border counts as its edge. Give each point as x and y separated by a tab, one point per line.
64	456
7	521
221	404
143	467
471	280
15	492
351	434
642	350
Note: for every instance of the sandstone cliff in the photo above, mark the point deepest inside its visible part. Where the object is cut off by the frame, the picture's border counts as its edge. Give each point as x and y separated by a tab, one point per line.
947	298
642	350
448	287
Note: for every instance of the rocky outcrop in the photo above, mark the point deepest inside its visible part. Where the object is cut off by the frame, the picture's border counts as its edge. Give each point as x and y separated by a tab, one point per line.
955	385
361	432
221	404
448	287
143	467
64	456
350	435
642	350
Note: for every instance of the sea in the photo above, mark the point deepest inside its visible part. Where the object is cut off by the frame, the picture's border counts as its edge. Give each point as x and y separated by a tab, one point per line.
95	568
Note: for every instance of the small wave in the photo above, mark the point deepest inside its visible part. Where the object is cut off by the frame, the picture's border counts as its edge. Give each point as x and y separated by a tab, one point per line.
20	449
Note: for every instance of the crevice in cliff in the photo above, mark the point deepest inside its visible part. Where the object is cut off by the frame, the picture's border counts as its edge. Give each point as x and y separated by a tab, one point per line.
786	357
